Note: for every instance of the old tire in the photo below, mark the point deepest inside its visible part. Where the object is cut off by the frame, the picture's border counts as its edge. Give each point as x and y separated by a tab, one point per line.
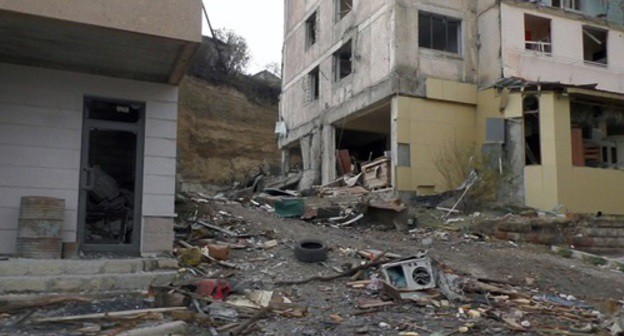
310	250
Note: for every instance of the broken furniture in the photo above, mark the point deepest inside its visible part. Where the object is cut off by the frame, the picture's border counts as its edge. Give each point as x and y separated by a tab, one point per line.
409	275
377	173
109	207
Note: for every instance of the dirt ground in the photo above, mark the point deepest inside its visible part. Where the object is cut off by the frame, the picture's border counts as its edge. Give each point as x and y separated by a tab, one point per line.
488	259
332	306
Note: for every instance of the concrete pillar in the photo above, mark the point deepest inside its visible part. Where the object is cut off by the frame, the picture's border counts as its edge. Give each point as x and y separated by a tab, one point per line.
285	161
311	157
328	168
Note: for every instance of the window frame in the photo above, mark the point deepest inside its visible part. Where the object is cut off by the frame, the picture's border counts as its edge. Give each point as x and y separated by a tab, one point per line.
314	82
338	12
446	20
311	30
337	62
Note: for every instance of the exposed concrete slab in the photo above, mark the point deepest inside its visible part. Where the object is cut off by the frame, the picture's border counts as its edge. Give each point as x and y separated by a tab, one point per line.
39	267
82	283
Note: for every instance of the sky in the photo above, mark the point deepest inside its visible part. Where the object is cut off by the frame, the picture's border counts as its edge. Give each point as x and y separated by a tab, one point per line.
260	22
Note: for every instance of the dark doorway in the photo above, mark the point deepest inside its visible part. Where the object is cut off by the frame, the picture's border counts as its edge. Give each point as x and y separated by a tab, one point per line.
111	175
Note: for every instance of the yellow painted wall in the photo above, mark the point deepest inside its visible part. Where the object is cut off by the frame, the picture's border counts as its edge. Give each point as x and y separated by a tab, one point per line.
556	181
431	127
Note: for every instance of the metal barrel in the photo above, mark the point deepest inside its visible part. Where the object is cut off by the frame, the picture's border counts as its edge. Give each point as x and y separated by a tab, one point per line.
39	227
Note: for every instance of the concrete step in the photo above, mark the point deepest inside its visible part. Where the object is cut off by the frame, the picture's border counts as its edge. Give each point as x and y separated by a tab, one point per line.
605	232
41	267
83	283
598	242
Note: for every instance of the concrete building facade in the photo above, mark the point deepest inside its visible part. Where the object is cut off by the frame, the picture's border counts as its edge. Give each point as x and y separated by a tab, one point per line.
416	80
88	114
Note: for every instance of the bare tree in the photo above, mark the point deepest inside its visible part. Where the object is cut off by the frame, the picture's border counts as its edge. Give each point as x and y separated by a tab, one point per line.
237	59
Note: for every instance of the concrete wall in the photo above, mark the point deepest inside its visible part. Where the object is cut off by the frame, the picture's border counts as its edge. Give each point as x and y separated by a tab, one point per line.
178	19
40	136
433	128
489	39
368	26
566	63
387	58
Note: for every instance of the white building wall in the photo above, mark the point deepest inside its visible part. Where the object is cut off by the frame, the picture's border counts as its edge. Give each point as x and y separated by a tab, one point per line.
40	138
566	63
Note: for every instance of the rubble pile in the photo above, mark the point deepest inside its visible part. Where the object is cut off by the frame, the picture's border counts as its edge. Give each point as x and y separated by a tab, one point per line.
240	276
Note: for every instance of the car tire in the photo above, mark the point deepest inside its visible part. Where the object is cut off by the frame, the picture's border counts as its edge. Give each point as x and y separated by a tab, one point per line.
310	250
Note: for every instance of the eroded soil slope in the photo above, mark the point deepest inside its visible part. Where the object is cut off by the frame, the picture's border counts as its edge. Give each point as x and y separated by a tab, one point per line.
222	135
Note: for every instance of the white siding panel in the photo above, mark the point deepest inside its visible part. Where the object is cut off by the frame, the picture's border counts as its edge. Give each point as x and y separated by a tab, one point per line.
160	166
8	238
160	147
8	218
39	116
39	136
158	205
157	128
10	197
28	156
164	111
44	178
159	185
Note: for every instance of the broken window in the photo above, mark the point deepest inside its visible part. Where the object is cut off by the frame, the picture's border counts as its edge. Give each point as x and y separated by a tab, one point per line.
343	7
439	32
532	145
597	135
537	34
343	62
575	5
594	45
310	26
313	80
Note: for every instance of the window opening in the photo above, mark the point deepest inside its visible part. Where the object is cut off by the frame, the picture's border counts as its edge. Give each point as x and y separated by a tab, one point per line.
311	27
537	34
597	135
343	61
595	45
574	5
313	78
439	32
343	7
532	141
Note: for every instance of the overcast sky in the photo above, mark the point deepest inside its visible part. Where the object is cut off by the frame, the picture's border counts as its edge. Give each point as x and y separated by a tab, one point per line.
260	22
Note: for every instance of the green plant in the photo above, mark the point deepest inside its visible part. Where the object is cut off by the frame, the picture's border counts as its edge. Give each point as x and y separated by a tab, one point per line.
565	252
454	163
595	260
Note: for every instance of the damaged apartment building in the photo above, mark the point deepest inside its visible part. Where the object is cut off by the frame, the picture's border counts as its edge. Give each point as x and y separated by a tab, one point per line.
88	122
537	85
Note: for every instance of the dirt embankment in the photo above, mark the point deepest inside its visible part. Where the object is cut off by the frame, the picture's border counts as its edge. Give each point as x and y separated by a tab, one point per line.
222	136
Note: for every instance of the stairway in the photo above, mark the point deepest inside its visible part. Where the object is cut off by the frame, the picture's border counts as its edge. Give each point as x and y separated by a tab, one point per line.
35	276
600	236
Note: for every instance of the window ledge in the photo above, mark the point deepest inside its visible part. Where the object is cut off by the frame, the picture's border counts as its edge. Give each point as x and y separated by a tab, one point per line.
342	80
596	64
436	52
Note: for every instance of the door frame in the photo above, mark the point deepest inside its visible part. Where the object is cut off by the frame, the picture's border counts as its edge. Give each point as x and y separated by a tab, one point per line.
139	129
